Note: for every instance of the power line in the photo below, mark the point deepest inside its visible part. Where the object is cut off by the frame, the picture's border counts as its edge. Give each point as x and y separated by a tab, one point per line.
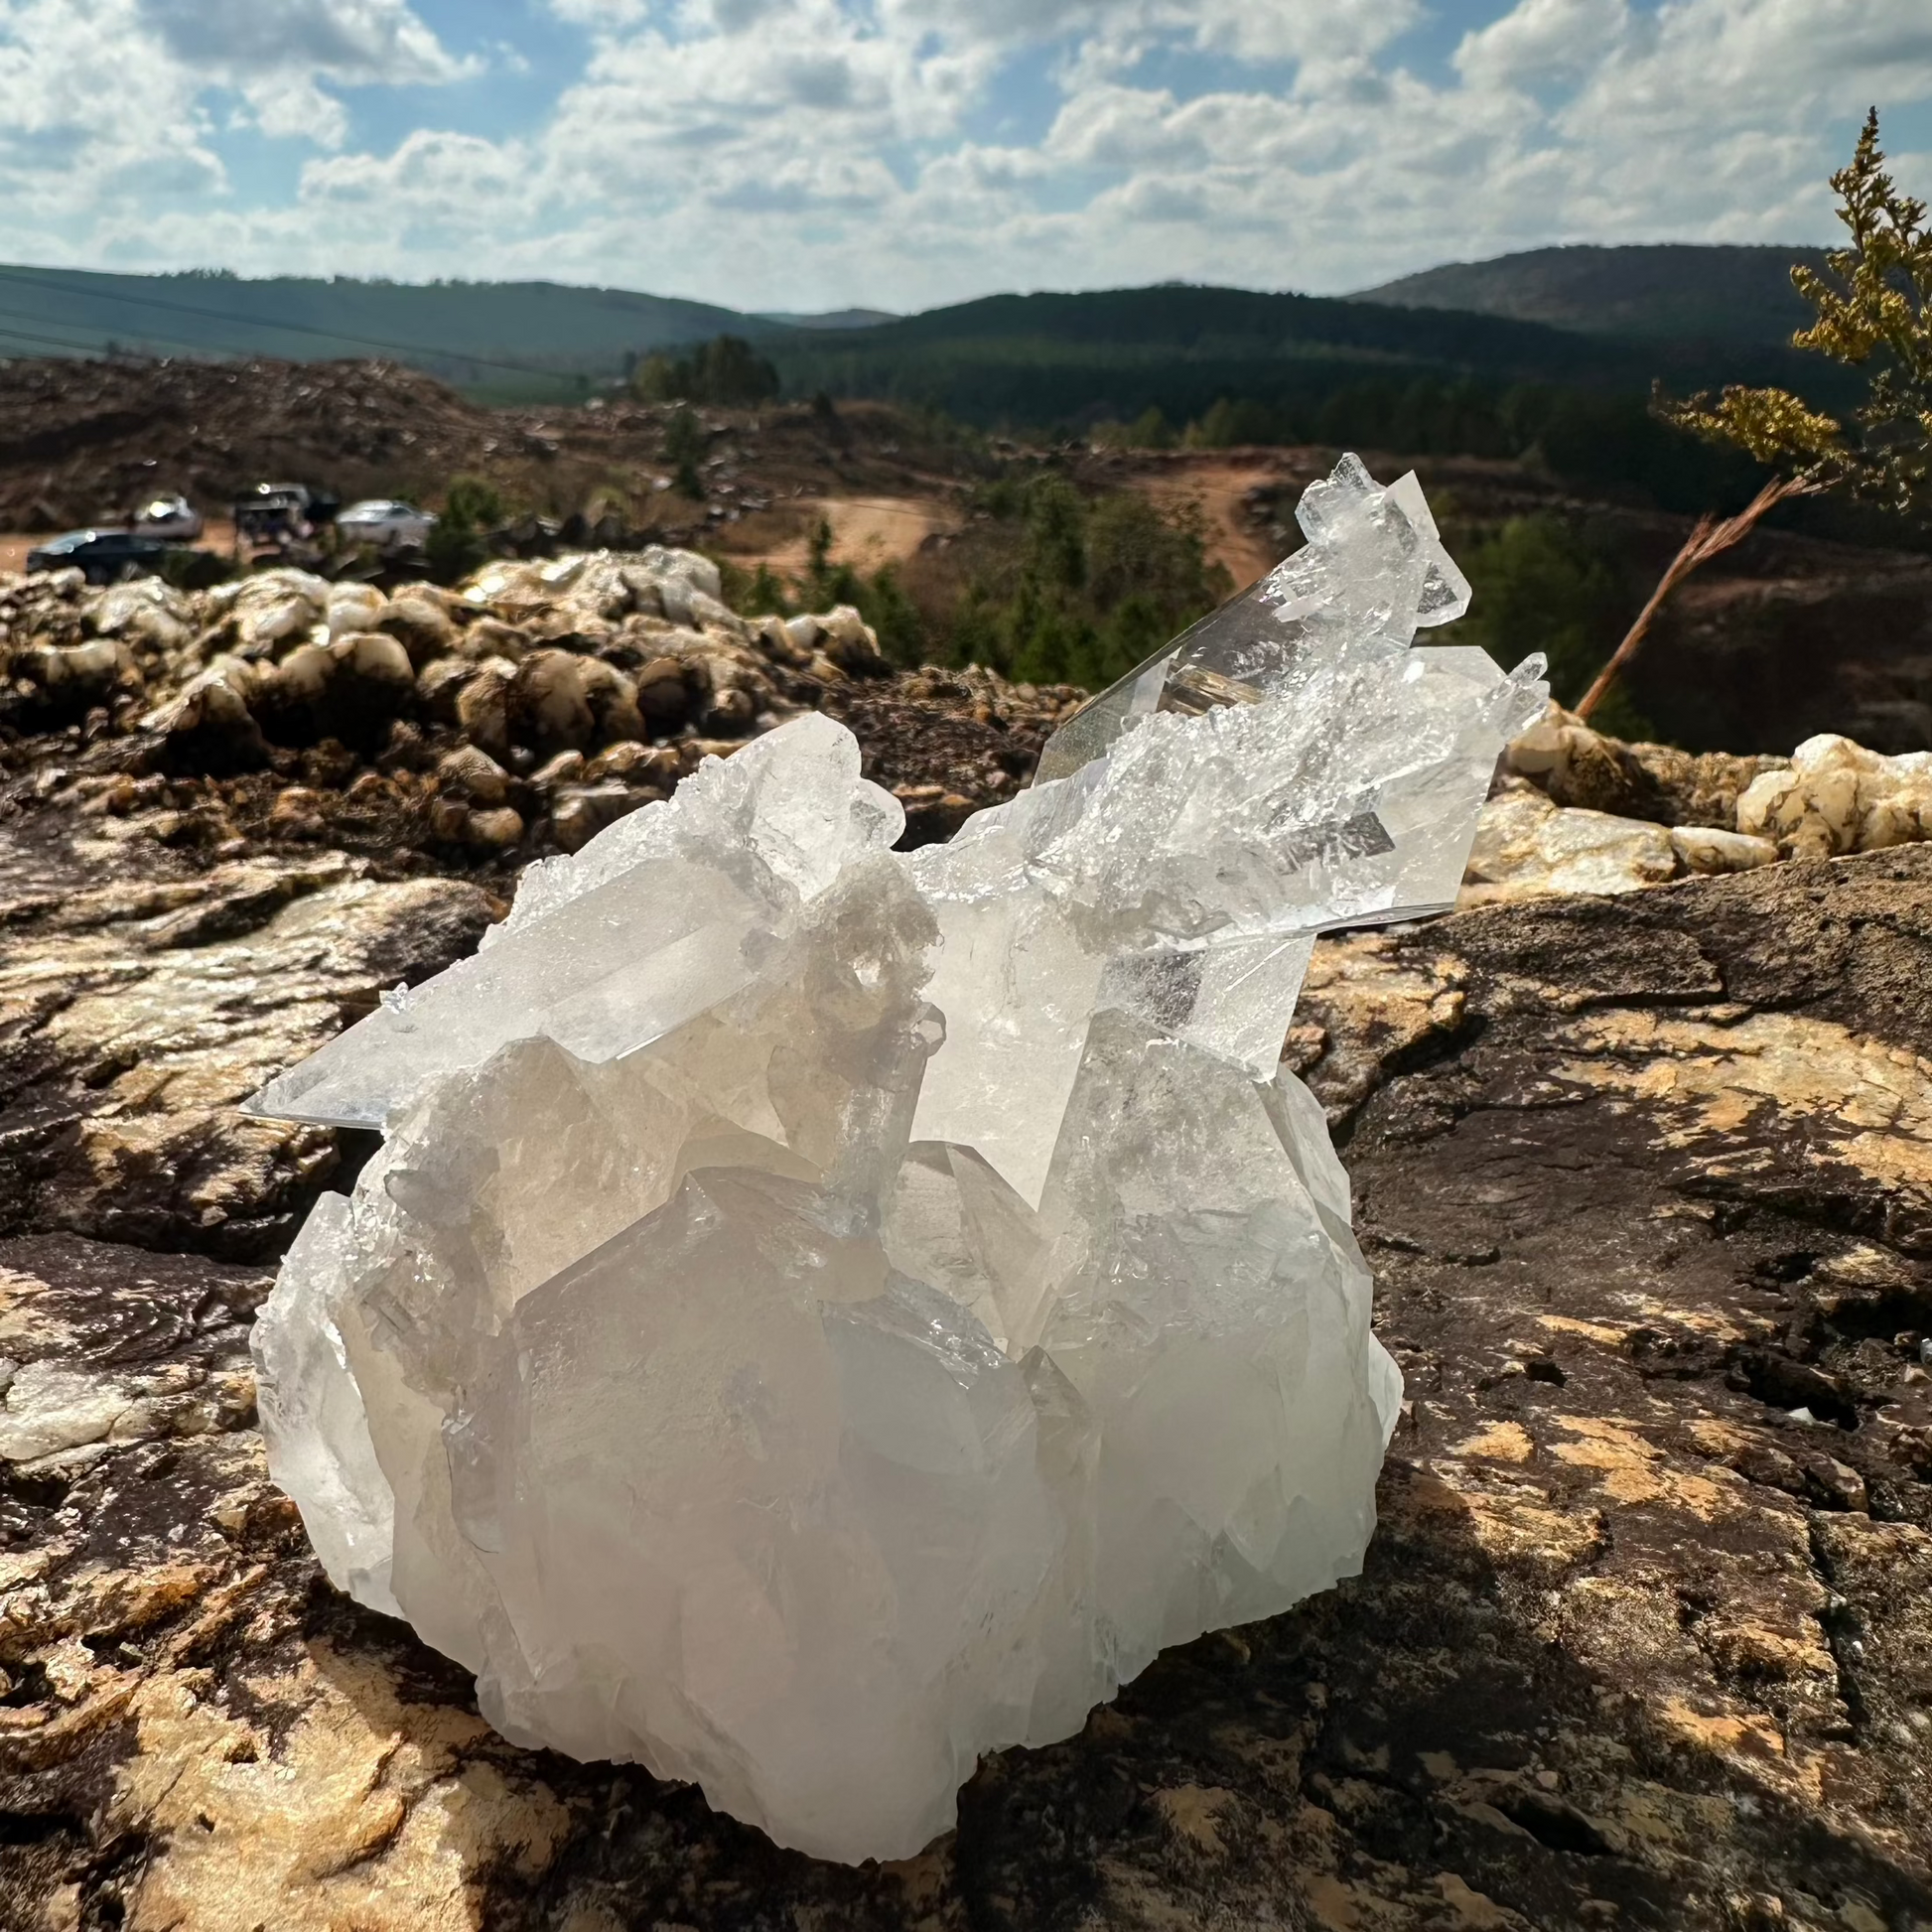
193	350
51	341
60	341
264	322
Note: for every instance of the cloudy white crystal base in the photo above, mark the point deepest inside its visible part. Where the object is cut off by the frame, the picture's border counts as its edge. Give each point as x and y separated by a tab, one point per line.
819	1313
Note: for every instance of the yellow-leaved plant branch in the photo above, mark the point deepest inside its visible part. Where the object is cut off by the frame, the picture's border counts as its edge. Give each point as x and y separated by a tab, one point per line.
1874	307
1873	310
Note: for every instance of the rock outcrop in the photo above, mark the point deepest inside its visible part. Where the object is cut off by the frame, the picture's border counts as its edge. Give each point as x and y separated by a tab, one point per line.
1642	1638
1576	811
1639	1150
1528	845
1582	770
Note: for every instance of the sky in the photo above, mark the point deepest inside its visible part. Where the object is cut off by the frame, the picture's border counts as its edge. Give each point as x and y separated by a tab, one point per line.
902	154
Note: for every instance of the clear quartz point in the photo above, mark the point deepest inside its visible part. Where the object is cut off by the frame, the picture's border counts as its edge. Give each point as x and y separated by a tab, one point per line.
1372	572
820	1313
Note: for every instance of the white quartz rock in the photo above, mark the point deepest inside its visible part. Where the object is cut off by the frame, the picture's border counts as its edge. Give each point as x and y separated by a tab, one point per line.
820	1313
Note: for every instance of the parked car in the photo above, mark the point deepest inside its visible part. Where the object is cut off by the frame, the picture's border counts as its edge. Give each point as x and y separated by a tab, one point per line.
106	556
173	517
386	524
274	513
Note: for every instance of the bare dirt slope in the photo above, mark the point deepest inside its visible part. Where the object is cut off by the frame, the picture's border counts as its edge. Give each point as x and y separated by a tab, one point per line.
82	442
1232	491
867	531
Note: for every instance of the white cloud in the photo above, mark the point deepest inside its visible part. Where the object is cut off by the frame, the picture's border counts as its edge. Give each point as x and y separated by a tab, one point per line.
374	41
277	58
806	153
63	151
73	154
291	108
1333	31
599	13
1544	41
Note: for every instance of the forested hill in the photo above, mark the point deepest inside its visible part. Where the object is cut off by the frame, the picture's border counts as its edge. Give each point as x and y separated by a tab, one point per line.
1682	290
1046	358
1266	367
467	332
1597	317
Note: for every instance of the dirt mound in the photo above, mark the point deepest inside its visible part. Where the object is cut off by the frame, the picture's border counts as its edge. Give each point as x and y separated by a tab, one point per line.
85	440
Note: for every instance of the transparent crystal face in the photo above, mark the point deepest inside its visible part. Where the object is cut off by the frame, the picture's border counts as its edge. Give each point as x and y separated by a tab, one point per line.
1372	572
821	1313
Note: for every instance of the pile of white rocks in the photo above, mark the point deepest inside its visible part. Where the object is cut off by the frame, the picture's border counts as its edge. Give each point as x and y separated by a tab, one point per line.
564	654
550	698
1836	796
520	711
1715	813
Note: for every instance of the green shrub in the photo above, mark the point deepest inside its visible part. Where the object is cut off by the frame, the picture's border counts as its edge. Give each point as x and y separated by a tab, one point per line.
1047	585
879	598
1540	584
455	546
1151	430
1233	423
1874	314
684	446
727	372
474	500
658	379
1081	591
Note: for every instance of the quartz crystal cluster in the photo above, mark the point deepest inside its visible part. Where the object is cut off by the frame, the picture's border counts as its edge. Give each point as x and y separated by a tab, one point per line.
820	1313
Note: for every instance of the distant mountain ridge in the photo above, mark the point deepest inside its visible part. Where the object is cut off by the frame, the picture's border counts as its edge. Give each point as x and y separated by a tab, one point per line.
465	330
1586	319
834	318
1677	289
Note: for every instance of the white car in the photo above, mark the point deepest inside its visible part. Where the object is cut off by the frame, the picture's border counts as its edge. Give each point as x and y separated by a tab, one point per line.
386	526
173	517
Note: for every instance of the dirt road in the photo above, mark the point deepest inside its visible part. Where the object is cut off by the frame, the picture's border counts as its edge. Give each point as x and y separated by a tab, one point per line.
1218	480
867	531
873	530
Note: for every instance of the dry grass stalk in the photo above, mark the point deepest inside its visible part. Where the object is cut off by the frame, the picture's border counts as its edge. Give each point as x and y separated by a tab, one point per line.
1710	539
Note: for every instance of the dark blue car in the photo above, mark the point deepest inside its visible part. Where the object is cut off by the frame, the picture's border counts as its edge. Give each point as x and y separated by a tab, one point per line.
106	556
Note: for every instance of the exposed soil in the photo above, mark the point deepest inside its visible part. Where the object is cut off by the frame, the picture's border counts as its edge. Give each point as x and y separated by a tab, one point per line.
867	531
1786	635
1234	493
83	442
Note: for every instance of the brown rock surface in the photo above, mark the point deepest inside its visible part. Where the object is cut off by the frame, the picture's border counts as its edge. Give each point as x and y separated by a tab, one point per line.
142	999
1637	1644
